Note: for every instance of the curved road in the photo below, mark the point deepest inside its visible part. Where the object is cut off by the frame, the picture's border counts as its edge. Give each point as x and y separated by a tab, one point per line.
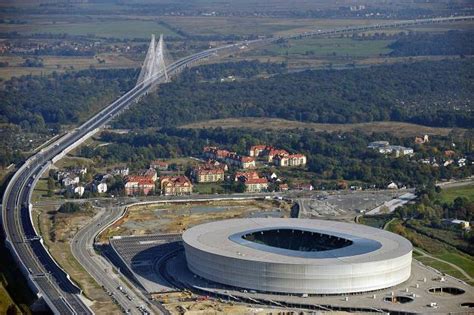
43	274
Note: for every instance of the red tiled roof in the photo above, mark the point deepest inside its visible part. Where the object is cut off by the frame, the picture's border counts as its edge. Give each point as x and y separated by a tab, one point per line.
141	180
278	152
246	159
246	174
176	180
258	147
256	181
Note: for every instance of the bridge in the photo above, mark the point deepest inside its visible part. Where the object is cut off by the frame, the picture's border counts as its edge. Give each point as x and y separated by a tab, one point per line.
44	275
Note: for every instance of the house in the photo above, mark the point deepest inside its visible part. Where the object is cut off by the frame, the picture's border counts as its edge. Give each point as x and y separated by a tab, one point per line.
392	185
135	185
274	152
215	153
272	177
460	223
400	151
384	147
79	190
81	171
217	164
150	173
242	176
378	144
120	171
256	184
208	173
252	181
175	185
231	158
283	187
421	140
448	162
70	180
246	162
462	162
290	160
101	188
257	150
160	165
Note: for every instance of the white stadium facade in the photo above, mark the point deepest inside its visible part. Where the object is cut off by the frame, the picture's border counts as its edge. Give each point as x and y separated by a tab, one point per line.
297	256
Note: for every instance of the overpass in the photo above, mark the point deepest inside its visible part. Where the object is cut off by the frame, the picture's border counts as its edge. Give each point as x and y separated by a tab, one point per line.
47	278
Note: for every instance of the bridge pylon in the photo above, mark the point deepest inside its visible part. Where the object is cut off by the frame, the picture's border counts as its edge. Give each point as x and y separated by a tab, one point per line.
155	62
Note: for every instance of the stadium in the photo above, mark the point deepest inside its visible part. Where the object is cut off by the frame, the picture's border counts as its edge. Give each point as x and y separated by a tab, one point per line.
297	256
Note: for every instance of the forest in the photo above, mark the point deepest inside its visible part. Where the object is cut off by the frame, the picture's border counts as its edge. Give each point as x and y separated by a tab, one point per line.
425	44
434	93
39	102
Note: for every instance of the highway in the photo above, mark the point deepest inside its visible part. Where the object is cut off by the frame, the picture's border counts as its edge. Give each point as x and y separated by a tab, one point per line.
43	274
101	270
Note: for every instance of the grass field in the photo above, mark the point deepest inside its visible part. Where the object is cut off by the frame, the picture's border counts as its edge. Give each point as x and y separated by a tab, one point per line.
324	47
396	128
62	64
448	195
438	250
255	25
123	28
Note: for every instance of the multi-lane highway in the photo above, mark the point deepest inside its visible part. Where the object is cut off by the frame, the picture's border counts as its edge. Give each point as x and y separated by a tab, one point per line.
44	275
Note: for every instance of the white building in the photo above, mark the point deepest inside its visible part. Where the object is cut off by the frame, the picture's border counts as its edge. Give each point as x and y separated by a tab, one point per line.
101	188
79	190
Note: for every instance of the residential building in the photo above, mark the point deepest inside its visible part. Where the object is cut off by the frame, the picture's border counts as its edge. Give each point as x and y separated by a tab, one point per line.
120	171
274	152
460	223
384	147
283	187
79	190
257	150
256	184
175	185
101	188
217	164
160	165
150	173
215	153
208	173
290	160
421	140
70	180
246	162
231	158
392	185
135	185
242	176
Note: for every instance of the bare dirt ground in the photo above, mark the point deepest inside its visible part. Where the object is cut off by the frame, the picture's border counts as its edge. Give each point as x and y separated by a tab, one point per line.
177	217
190	304
57	230
396	128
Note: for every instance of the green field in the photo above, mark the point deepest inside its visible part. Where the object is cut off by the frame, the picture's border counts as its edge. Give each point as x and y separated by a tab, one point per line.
432	247
329	47
101	28
448	195
208	188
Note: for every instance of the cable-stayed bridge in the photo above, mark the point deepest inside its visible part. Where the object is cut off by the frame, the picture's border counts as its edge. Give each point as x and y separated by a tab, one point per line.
45	277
